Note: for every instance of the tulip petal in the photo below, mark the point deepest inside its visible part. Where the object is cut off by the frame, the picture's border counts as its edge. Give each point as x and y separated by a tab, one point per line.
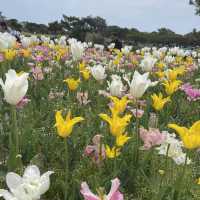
105	117
13	180
86	192
114	194
6	195
32	172
196	127
179	129
45	182
76	120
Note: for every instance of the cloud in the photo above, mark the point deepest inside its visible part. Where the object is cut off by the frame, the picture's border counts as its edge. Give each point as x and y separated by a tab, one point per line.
146	15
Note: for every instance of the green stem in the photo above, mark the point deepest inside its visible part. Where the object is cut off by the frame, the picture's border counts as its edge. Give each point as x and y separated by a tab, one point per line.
115	163
181	180
15	129
166	167
66	169
14	160
137	125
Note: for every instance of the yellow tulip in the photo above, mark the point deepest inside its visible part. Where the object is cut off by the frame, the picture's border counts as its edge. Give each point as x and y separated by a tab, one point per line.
9	54
190	137
117	124
172	74
116	61
26	53
119	104
159	101
81	66
86	74
171	86
189	60
65	126
160	74
178	59
160	65
72	83
122	140
135	62
112	152
181	70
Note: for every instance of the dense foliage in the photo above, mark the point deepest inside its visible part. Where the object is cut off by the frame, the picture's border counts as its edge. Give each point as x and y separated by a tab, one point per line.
90	115
96	29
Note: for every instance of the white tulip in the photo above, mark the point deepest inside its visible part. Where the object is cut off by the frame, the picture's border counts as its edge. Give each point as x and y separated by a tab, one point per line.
111	46
45	39
163	49
172	147
146	49
137	51
116	86
34	39
7	41
26	42
98	72
169	59
99	47
15	87
148	63
126	49
157	54
139	84
62	41
77	49
194	54
29	187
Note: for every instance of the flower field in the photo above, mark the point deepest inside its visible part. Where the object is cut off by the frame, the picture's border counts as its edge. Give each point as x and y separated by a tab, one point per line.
83	121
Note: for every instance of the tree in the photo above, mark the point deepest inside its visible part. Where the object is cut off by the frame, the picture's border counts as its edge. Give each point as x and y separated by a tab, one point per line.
14	24
55	28
196	3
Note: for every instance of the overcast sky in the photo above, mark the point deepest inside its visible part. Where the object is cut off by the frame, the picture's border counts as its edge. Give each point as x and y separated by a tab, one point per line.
145	15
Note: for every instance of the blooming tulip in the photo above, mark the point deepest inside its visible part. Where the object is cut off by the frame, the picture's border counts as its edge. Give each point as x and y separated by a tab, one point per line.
139	84
98	72
190	137
148	63
116	86
77	50
15	86
29	187
65	126
151	137
159	101
114	193
72	83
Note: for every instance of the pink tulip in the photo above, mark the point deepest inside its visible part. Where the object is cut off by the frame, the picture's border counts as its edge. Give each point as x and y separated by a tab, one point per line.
151	137
193	94
114	193
138	113
93	151
37	73
23	102
82	98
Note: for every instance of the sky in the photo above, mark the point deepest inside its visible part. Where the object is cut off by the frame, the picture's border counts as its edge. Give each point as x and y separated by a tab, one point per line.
145	15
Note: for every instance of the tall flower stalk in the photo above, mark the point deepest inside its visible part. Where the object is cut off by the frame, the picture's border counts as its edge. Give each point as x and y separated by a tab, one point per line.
64	129
66	168
137	126
14	160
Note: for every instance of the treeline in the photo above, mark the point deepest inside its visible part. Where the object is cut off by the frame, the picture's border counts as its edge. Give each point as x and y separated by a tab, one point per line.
96	29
